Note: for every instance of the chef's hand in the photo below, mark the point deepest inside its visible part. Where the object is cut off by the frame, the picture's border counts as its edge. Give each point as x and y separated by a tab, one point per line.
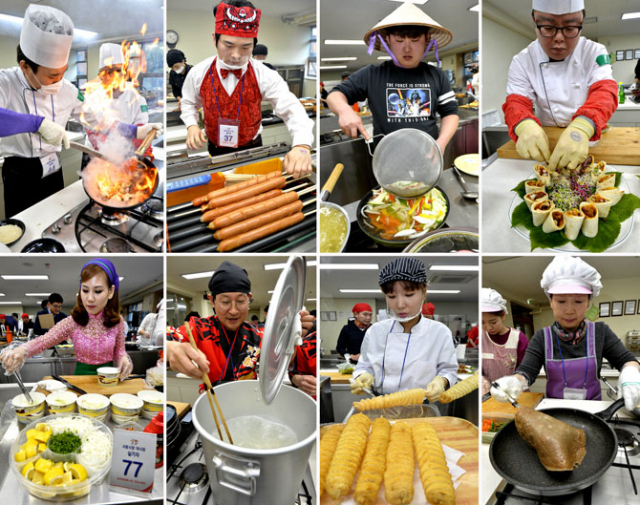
196	138
53	133
144	130
509	384
297	162
630	386
364	380
354	357
125	365
573	145
306	383
185	359
306	320
13	359
351	124
532	141
436	387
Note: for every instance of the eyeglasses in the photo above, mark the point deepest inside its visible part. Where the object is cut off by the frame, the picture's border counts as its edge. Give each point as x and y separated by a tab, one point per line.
570	32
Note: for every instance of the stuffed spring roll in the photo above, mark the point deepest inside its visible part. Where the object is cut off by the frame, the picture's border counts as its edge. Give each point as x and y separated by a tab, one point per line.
573	219
554	222
606	181
598	170
536	196
614	194
542	174
602	203
540	211
590	223
532	185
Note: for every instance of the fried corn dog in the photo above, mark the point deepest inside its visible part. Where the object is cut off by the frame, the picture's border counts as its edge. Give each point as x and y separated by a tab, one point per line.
398	476
348	456
373	464
328	445
399	399
460	389
434	473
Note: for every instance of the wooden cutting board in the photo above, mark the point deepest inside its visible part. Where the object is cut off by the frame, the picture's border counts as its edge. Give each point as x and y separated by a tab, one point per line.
617	146
454	432
496	408
181	408
337	377
89	383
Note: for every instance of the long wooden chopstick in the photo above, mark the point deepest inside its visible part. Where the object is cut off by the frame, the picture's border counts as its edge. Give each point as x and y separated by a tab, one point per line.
210	392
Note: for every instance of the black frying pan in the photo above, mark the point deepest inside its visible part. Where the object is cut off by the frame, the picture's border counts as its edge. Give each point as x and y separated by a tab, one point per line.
519	465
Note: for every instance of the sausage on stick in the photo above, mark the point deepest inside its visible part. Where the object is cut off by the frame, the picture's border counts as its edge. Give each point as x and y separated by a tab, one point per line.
258	221
212	214
258	233
197	202
249	211
221	201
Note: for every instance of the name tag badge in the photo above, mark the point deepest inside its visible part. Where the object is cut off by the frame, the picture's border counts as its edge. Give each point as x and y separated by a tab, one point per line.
487	355
50	164
228	132
574	394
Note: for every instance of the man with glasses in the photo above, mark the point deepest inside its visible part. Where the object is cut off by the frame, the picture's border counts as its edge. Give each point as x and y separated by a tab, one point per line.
570	80
54	307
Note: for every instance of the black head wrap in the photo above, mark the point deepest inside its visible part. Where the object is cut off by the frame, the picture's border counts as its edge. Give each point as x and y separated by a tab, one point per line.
229	278
260	50
174	56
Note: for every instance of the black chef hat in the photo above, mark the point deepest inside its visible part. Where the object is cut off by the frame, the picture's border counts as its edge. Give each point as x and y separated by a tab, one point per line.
229	278
260	49
403	269
174	56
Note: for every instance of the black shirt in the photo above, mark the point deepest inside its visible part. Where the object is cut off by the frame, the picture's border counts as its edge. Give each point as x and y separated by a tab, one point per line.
637	70
177	80
350	339
401	97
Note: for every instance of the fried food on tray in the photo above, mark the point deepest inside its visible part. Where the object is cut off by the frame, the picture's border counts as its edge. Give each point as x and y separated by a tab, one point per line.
460	389
348	456
328	445
399	399
560	446
398	476
373	464
434	473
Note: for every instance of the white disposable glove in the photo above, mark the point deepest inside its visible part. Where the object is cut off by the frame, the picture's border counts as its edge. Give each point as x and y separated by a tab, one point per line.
53	133
436	388
630	387
13	359
125	365
364	380
145	129
509	384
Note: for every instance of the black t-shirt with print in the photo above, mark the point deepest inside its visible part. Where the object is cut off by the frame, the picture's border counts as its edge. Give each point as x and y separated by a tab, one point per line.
401	97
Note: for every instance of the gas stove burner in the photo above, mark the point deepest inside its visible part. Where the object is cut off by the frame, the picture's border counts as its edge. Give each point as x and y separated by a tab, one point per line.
113	218
627	441
158	239
194	478
116	245
154	206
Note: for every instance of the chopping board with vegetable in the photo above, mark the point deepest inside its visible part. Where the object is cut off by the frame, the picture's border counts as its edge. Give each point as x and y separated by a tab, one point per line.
494	407
89	383
619	145
453	432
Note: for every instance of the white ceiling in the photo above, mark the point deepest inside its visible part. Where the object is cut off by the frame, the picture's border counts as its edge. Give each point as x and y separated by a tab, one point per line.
262	280
331	281
520	276
351	19
140	273
608	13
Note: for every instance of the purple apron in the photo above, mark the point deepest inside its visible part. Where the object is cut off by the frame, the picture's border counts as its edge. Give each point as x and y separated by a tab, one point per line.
579	373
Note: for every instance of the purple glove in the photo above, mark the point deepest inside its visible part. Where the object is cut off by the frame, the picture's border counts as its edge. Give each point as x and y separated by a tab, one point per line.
13	123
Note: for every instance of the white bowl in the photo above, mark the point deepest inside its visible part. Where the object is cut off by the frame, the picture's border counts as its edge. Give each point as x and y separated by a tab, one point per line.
108	376
153	402
93	405
125	408
62	402
28	412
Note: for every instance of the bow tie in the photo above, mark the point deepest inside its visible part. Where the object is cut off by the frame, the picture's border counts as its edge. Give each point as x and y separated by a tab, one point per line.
224	73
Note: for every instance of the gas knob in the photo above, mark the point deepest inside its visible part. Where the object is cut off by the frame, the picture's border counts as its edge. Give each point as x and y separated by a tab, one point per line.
55	229
67	219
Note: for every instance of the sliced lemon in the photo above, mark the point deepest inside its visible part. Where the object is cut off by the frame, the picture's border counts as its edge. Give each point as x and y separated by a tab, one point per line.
37	478
31	434
32	450
64	480
42	436
59	464
28	470
44	465
32	442
78	472
54	475
20	456
42	447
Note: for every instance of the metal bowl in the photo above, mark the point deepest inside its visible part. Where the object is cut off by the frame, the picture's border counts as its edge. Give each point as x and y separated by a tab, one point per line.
15	222
446	240
346	217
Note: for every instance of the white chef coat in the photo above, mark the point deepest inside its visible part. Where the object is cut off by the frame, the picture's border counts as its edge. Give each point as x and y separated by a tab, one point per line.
272	87
156	328
17	95
560	88
425	352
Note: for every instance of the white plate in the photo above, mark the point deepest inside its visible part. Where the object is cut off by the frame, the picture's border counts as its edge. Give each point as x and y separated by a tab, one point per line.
625	227
469	170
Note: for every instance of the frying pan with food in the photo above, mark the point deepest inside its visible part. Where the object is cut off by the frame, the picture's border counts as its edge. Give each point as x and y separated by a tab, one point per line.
518	463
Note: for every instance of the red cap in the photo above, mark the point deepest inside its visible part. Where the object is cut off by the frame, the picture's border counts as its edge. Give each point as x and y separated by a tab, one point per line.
321	83
2	316
361	307
237	21
23	316
428	309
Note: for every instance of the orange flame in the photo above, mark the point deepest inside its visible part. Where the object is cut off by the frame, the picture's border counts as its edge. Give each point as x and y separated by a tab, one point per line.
133	183
143	30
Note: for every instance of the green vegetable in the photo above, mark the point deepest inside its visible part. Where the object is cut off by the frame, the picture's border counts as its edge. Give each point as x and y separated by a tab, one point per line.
64	443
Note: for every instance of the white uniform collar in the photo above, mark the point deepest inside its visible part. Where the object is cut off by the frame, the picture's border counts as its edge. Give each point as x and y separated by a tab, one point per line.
221	64
397	327
544	57
23	79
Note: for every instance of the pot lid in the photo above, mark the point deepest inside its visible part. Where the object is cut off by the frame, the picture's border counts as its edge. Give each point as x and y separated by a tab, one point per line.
446	240
282	328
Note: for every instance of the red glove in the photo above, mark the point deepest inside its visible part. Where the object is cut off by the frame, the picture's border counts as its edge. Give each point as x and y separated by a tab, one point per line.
517	108
601	103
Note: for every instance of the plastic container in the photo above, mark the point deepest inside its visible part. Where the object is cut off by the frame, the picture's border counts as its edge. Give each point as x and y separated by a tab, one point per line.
157	426
29	412
93	405
153	402
61	402
125	408
108	376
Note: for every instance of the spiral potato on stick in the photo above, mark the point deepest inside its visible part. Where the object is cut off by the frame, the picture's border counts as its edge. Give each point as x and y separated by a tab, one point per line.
460	389
398	476
399	399
434	473
373	464
328	446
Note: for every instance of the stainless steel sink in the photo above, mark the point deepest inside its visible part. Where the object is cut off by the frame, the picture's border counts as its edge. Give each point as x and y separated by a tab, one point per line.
493	137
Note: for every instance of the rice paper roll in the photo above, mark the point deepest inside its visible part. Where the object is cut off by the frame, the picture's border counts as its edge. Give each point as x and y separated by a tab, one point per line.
554	222
573	219
602	203
614	194
590	224
542	174
540	211
598	170
536	196
606	181
532	185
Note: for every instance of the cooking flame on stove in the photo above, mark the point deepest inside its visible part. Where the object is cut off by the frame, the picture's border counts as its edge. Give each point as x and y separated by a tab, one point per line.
116	186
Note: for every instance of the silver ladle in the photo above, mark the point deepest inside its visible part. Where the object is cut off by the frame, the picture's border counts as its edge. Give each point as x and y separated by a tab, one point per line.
471	195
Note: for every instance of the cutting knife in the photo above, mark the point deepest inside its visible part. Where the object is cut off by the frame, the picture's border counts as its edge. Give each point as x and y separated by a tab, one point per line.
69	385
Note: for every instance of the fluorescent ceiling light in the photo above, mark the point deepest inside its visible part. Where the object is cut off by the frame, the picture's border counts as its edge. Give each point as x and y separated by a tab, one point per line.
631	15
333	67
419	2
347	266
198	275
346	42
280	266
455	268
312	299
13	19
1	294
384	57
77	32
346	58
475	8
37	294
25	277
429	291
10	303
121	278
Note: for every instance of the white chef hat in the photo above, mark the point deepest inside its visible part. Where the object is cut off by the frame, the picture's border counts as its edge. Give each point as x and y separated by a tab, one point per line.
492	301
558	6
570	275
46	36
110	55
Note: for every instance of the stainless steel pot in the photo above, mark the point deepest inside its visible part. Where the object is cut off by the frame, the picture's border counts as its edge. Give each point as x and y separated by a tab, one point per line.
241	476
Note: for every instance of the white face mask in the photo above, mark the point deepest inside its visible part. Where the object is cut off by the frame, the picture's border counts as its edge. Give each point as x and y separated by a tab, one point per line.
49	89
180	70
405	319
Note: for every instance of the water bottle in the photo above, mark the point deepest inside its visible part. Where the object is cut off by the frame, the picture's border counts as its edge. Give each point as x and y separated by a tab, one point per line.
621	96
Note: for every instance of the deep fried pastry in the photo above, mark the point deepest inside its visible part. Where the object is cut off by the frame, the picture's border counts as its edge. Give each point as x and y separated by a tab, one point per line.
398	476
434	473
399	399
460	389
328	445
373	464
